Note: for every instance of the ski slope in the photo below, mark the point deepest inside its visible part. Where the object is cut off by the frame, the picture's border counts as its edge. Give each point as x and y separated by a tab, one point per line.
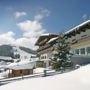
76	80
23	55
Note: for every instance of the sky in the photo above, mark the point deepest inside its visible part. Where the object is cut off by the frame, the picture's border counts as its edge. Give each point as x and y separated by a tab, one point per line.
23	21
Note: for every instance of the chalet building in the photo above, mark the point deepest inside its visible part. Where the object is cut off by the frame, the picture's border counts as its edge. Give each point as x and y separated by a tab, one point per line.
45	51
21	68
78	39
16	73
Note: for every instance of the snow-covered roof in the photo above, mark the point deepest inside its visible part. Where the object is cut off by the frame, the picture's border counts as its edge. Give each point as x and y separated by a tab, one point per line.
3	64
52	39
5	58
78	26
43	36
21	65
46	34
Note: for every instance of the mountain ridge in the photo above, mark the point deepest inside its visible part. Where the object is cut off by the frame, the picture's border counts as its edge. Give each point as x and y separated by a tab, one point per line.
15	51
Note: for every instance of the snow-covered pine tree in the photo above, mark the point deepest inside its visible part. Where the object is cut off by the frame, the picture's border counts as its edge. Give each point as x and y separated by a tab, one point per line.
61	51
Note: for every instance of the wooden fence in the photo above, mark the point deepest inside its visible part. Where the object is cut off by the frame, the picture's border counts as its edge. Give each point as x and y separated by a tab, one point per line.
40	74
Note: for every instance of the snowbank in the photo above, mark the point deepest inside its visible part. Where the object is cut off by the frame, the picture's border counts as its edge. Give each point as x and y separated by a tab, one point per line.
4	74
39	70
75	80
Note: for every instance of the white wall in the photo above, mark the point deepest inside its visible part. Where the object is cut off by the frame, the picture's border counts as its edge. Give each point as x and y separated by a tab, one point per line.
79	36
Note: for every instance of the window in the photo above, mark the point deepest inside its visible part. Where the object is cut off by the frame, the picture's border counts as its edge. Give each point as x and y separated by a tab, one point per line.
42	57
49	56
82	50
77	51
88	50
45	57
71	51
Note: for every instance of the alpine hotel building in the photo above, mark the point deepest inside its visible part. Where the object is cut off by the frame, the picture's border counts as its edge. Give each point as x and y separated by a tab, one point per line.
78	39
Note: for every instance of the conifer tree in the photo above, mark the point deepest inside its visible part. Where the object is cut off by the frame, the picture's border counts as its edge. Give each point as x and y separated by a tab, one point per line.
61	52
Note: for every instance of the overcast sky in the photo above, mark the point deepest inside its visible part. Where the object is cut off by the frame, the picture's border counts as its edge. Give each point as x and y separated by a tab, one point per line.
23	21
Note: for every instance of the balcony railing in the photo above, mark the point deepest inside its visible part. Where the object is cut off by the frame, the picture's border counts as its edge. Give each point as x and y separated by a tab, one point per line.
48	50
42	42
44	47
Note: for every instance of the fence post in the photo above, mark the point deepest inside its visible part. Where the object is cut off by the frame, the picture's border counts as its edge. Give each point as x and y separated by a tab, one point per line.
22	76
45	73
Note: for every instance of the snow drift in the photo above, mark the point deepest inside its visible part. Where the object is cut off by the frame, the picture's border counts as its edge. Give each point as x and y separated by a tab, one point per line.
75	80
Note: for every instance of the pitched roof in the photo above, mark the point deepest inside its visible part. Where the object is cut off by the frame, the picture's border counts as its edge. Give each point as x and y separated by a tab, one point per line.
52	39
44	36
78	26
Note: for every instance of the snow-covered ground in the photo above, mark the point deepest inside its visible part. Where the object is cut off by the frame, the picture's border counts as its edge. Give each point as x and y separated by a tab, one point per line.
2	64
24	62
23	55
24	58
75	80
4	74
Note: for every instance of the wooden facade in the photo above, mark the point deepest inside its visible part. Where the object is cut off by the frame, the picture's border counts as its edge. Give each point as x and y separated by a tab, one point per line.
16	73
45	47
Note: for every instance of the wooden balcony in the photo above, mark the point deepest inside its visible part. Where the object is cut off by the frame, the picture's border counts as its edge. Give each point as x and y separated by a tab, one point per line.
48	50
42	42
43	47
